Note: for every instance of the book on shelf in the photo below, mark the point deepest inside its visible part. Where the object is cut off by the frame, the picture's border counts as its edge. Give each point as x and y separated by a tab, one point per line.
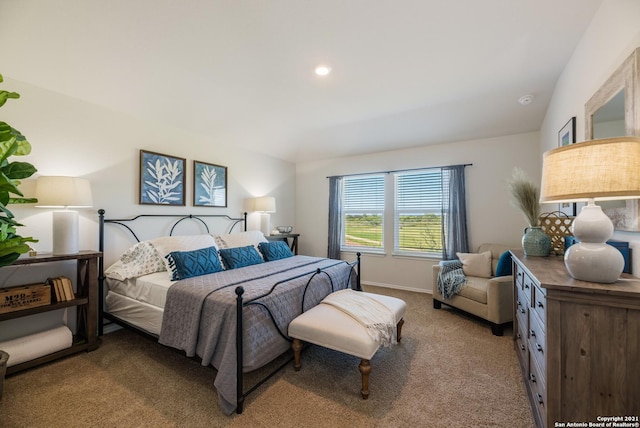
61	288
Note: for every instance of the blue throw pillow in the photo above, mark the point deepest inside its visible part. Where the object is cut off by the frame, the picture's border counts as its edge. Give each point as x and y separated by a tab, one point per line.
238	257
274	250
504	267
186	264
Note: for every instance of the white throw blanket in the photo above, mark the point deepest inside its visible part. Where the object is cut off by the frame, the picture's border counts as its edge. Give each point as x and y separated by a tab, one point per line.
371	313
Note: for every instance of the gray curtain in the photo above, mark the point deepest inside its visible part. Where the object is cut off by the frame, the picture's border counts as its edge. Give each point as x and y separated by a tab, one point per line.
454	212
335	217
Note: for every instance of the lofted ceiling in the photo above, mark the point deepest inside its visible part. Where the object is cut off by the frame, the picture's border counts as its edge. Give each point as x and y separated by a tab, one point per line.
405	73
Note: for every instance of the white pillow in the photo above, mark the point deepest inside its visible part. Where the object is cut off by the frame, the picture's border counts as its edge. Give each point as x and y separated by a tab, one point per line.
476	264
166	244
242	239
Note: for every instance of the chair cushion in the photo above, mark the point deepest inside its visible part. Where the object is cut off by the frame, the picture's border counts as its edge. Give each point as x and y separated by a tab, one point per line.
475	289
476	264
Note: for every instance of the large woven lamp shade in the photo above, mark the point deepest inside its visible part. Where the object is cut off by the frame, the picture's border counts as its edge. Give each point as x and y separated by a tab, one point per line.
594	170
599	169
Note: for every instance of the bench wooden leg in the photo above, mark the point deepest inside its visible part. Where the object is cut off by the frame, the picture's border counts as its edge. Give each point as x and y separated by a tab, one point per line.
365	369
297	347
399	334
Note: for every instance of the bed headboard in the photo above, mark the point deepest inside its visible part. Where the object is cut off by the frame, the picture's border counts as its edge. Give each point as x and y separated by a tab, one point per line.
162	225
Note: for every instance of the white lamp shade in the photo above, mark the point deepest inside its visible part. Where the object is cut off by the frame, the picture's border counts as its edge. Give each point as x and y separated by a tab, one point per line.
264	204
58	191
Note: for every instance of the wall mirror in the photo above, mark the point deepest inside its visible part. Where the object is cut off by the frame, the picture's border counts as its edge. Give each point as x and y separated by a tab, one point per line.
614	111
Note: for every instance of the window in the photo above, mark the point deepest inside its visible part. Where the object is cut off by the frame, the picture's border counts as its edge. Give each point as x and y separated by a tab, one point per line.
418	212
426	212
363	212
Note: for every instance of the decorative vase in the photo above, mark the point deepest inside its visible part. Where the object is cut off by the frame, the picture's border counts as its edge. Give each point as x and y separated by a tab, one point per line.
535	242
4	357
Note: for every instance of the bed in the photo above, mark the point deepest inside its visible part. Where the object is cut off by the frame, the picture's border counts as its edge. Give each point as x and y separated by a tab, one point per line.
234	319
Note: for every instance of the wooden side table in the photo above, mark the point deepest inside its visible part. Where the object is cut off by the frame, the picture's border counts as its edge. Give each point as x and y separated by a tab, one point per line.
285	237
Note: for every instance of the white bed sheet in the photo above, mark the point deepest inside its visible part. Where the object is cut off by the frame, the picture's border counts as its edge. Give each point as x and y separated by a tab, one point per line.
139	314
150	289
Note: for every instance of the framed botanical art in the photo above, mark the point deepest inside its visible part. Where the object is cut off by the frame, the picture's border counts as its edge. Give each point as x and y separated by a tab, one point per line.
209	185
161	179
567	134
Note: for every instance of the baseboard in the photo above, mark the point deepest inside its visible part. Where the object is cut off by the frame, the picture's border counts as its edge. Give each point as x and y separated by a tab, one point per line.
397	287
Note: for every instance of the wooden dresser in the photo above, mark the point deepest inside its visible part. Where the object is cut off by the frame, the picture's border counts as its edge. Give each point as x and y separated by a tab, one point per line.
578	343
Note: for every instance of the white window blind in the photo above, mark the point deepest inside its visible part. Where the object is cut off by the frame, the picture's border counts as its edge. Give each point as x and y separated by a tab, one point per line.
418	212
363	212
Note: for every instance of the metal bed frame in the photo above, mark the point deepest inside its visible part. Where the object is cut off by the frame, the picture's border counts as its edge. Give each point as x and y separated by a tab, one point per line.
241	394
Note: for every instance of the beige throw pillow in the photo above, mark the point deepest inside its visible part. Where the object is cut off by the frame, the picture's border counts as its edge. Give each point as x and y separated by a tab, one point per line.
476	264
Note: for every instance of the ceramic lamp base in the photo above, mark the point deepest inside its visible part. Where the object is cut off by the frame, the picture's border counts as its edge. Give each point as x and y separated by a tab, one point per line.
65	232
593	259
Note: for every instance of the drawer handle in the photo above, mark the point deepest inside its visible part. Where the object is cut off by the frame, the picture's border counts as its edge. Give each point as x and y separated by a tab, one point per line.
526	286
522	311
538	347
519	304
532	377
540	305
521	347
518	336
539	398
532	333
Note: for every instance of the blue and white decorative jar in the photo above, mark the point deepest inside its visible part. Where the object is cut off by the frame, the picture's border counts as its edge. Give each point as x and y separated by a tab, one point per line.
535	242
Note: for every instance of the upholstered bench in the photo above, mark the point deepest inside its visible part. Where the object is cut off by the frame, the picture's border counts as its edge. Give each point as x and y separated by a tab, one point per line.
330	327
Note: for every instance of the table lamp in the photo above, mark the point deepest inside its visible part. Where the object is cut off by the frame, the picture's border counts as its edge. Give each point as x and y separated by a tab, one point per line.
265	205
597	170
64	192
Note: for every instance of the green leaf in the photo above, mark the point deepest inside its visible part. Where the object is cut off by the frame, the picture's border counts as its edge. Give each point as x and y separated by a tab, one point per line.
22	201
18	170
9	259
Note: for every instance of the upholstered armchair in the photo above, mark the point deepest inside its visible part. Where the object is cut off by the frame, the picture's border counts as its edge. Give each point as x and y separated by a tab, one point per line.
487	296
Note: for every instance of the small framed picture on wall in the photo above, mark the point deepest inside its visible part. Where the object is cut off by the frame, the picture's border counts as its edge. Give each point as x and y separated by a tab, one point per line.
161	179
209	185
567	134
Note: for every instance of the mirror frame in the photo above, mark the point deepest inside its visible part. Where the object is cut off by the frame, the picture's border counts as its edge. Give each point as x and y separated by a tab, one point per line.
626	77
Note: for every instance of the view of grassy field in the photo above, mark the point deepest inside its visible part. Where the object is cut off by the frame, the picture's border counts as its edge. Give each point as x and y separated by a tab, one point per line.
419	233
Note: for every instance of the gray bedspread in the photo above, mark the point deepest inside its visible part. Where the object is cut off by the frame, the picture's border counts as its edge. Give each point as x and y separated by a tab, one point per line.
200	313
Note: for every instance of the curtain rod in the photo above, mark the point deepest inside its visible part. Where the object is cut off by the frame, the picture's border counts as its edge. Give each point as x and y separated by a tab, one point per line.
396	170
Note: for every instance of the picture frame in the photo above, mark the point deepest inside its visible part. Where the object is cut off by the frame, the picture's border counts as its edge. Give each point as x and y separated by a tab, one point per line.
567	136
161	179
209	185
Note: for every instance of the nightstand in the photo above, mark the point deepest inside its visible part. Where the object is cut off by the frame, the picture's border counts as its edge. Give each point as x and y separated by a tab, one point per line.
285	237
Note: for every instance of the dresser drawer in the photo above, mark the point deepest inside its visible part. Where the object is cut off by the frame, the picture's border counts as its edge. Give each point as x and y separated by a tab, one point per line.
537	342
518	274
527	286
539	303
521	343
538	388
522	306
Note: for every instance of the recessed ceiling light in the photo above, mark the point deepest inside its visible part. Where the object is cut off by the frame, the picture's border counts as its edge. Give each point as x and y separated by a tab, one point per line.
322	70
526	99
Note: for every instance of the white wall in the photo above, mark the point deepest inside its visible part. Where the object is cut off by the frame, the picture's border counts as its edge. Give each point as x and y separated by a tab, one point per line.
71	137
491	218
610	38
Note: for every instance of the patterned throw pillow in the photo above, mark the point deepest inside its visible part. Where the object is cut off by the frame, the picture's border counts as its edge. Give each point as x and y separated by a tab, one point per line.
187	264
238	257
140	259
274	250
